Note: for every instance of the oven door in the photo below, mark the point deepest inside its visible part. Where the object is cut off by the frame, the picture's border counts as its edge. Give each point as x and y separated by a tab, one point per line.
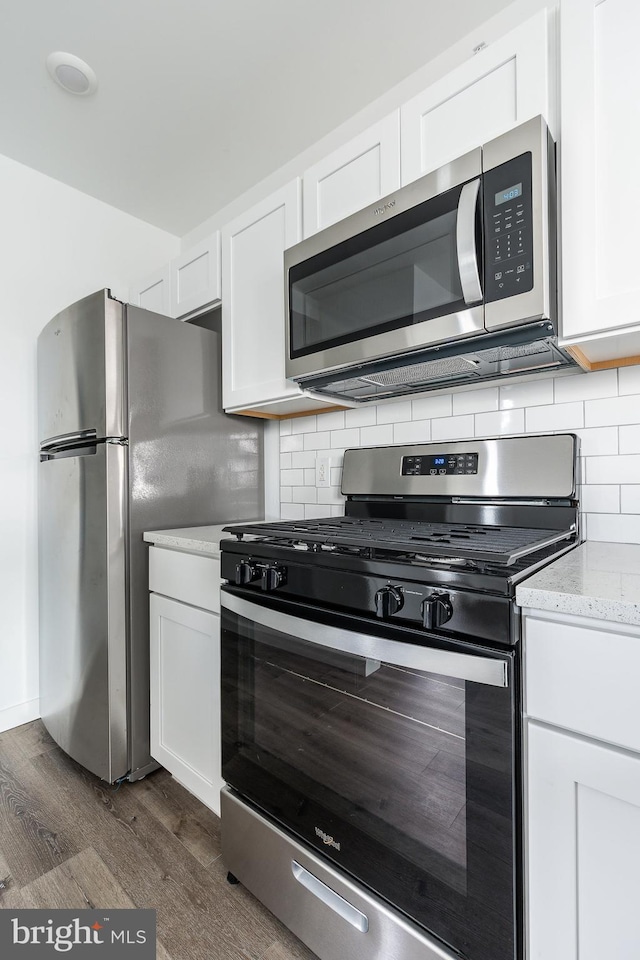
372	287
389	752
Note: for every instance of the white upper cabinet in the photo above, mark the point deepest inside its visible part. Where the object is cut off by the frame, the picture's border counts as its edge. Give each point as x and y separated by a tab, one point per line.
600	198
352	177
195	277
253	341
503	85
154	292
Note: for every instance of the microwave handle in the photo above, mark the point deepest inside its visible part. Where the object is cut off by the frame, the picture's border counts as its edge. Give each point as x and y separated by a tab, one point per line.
466	242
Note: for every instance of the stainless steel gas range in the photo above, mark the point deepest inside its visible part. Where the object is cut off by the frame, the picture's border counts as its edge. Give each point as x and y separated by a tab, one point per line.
371	701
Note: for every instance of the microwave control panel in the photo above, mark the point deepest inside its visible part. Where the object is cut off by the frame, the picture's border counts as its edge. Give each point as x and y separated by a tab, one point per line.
440	465
508	219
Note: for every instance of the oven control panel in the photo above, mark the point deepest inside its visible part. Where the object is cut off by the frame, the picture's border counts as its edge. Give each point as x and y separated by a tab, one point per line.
440	465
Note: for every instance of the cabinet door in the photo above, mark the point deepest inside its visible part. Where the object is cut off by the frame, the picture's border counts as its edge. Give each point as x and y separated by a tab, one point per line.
583	848
600	91
253	341
503	85
154	292
359	173
195	277
185	695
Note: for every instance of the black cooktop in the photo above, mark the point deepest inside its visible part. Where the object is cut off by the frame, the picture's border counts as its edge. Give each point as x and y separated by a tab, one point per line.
424	540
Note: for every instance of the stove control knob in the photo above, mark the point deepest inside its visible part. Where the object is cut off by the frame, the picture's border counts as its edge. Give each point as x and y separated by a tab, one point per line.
388	601
246	573
271	578
436	610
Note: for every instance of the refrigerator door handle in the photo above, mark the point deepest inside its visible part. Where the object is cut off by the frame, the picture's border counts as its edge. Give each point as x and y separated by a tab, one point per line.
68	439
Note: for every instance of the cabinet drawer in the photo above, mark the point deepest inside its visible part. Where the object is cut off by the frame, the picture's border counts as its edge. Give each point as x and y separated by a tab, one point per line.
188	577
584	680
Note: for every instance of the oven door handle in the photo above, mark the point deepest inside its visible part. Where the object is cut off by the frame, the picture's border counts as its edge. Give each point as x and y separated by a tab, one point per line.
466	243
461	666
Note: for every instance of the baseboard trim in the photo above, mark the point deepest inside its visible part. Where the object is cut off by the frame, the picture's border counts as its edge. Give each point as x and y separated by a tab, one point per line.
18	714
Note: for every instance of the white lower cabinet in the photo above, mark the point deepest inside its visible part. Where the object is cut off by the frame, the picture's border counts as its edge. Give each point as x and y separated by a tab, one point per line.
583	788
584	848
185	678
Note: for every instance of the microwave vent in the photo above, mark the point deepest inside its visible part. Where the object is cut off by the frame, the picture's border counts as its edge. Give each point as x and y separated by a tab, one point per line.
423	372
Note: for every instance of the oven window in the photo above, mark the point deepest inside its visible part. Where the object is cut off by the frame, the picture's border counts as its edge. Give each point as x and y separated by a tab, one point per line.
402	777
399	272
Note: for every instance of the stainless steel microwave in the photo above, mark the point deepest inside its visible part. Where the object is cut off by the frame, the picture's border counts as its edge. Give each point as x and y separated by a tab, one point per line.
450	280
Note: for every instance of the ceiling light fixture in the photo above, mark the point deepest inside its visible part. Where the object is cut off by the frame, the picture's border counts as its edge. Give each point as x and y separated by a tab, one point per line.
72	73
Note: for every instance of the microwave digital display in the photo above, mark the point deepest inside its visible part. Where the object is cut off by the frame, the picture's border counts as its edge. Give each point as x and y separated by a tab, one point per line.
511	193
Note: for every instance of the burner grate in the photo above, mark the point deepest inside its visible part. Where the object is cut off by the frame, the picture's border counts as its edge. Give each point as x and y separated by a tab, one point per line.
452	540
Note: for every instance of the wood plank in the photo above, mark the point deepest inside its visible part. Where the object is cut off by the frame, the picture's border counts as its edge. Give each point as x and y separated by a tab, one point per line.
31	838
293	949
198	913
82	882
24	742
193	824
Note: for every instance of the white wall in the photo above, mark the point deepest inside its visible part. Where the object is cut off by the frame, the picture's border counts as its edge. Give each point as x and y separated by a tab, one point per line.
56	246
603	408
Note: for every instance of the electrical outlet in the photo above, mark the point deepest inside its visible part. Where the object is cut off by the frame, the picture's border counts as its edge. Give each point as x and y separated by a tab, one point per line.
323	471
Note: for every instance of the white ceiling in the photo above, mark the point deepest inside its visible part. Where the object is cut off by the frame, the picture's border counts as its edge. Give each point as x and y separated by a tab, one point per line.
200	99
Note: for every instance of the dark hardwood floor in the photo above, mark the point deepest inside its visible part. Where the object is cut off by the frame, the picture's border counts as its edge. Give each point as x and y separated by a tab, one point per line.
68	840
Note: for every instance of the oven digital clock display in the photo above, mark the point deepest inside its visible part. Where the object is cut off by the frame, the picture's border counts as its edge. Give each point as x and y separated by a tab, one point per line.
440	465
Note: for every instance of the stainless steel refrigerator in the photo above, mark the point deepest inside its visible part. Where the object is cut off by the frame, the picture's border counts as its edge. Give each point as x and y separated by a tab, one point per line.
132	438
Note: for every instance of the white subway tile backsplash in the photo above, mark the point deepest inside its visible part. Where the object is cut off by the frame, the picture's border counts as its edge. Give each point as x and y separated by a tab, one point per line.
475	401
415	431
558	416
292	511
499	423
602	407
314	511
317	441
394	412
452	428
630	498
617	410
429	407
587	386
305	424
330	495
600	442
628	380
331	421
372	436
531	394
614	528
630	439
290	443
360	417
620	469
600	498
304	495
303	458
291	478
345	438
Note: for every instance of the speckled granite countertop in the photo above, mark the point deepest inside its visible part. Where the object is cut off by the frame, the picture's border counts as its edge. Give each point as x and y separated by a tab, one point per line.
205	540
599	580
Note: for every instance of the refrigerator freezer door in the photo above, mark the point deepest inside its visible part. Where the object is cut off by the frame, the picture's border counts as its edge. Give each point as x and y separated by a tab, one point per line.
81	381
83	605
